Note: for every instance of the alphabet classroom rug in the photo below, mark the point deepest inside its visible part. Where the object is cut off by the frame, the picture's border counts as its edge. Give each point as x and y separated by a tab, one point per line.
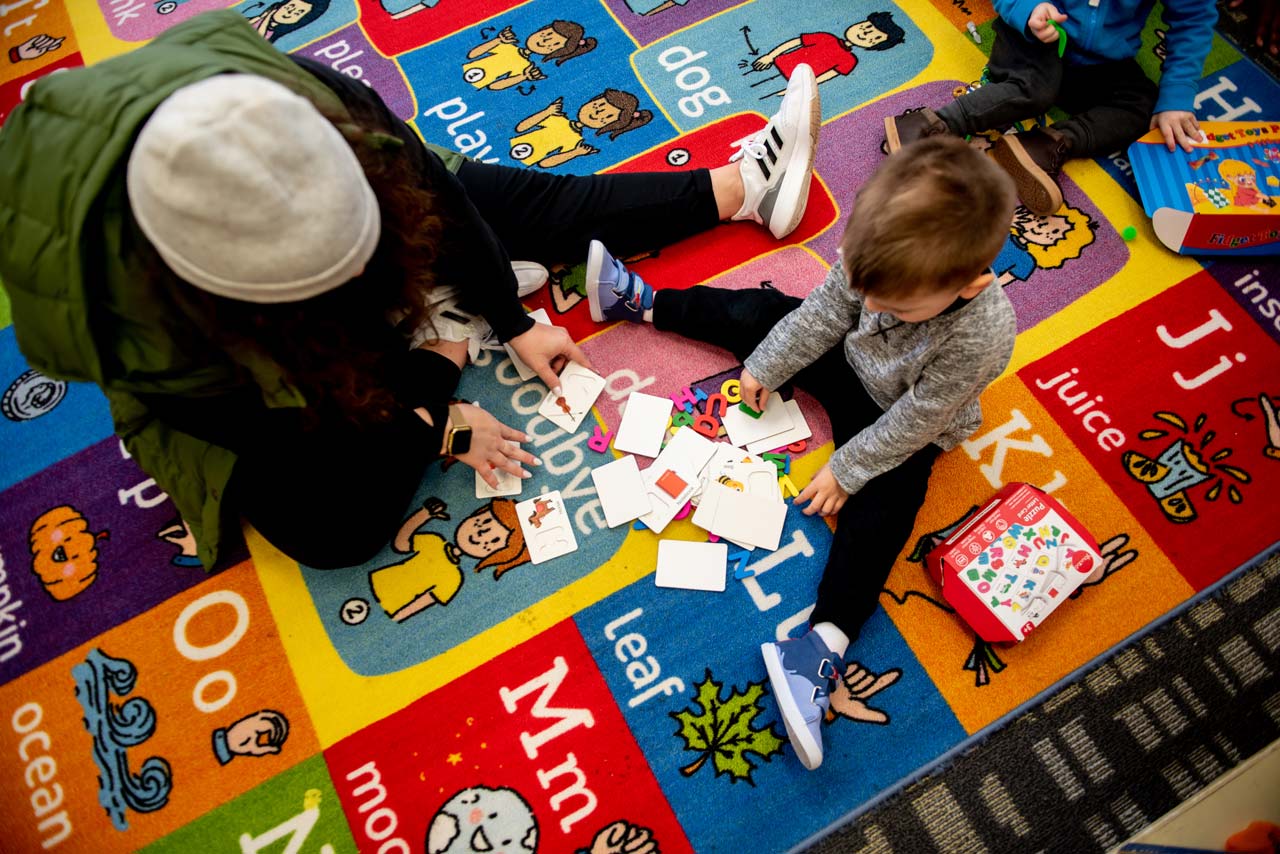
572	705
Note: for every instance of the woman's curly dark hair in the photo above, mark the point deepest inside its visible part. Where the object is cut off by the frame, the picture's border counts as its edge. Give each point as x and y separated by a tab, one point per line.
334	347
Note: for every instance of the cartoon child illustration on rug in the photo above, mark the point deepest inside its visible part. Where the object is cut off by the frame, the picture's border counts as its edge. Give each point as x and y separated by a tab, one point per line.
829	56
484	819
35	47
279	19
260	734
430	574
549	138
1042	242
501	63
64	552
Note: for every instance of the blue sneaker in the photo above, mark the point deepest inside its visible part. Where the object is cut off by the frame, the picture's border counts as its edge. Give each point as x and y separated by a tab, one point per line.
802	673
613	291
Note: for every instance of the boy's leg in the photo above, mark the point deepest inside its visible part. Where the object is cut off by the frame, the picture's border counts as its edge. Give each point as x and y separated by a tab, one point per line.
871	530
1023	78
1110	106
731	319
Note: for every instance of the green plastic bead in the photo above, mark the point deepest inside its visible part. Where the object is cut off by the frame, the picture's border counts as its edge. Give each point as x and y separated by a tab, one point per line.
1129	233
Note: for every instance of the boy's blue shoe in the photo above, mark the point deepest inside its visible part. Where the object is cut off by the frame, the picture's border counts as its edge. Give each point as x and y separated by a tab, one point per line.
802	673
613	291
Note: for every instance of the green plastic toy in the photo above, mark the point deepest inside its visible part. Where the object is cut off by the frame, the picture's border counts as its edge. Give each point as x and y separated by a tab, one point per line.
1062	37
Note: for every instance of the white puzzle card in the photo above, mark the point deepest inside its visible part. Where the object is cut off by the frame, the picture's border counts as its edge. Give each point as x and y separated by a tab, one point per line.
644	423
692	566
799	430
722	459
758	479
704	517
579	388
527	373
740	517
667	490
622	491
508	484
688	451
547	529
744	430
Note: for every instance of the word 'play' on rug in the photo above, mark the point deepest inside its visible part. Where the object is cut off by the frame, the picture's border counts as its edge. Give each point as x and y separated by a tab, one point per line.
270	707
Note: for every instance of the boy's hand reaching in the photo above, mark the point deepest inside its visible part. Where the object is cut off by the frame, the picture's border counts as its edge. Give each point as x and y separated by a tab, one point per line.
824	493
753	393
1178	127
1039	23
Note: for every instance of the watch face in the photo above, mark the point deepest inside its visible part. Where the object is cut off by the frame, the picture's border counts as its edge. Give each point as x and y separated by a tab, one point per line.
459	441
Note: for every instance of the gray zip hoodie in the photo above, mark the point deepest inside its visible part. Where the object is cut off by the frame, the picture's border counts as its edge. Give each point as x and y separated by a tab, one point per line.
926	376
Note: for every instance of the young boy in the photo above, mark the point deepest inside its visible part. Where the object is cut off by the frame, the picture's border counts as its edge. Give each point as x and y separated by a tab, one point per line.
1096	80
896	344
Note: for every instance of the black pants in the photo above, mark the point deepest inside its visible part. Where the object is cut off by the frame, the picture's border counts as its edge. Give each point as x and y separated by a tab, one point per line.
877	520
333	495
1110	103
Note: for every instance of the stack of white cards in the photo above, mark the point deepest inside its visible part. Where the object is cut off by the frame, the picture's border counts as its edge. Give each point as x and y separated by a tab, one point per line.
743	504
779	425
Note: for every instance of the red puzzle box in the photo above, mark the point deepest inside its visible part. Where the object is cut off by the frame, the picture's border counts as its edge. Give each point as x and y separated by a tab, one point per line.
1013	563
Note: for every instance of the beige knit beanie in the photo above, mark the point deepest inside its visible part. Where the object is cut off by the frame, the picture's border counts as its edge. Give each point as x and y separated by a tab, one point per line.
247	192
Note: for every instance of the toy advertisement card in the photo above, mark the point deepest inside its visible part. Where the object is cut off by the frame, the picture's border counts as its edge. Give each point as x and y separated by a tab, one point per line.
1218	199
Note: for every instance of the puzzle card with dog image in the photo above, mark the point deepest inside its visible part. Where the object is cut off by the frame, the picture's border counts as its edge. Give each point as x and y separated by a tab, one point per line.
547	529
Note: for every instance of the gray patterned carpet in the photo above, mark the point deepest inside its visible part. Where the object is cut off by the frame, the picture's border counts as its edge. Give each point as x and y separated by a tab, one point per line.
1109	752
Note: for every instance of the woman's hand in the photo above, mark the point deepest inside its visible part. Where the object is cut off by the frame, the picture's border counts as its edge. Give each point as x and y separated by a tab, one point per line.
754	394
824	493
546	349
494	445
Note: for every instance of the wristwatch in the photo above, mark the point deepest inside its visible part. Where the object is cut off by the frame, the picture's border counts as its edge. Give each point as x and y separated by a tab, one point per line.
458	442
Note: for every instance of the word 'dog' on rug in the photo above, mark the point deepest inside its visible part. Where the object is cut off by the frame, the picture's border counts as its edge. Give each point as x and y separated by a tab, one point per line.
452	694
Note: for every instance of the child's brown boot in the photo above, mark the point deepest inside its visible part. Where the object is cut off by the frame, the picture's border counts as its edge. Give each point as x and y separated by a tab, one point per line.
913	125
1033	159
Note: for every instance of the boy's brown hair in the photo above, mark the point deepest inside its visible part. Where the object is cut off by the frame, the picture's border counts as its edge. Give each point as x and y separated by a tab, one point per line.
933	217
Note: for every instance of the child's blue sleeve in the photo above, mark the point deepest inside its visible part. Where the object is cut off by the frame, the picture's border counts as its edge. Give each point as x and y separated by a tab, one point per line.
1187	41
1016	12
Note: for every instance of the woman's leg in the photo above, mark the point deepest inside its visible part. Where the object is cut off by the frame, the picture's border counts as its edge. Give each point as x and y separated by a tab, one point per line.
549	218
546	217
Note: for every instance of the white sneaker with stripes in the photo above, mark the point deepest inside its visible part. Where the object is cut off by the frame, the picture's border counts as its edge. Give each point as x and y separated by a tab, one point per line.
777	161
